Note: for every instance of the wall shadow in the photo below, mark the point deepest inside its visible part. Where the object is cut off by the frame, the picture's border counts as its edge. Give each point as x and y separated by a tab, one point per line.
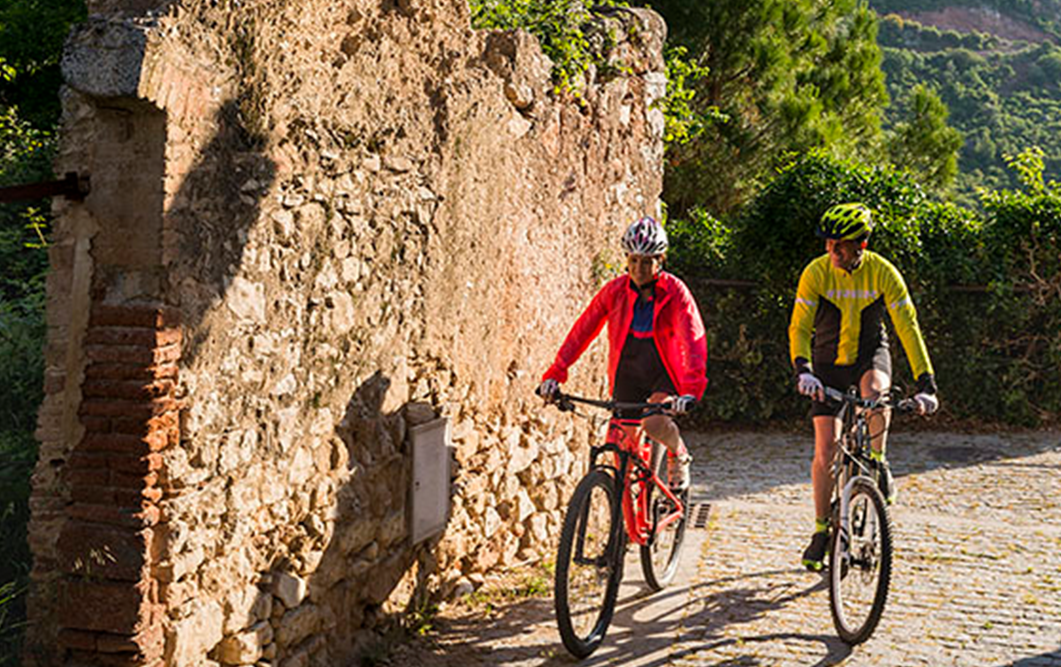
1052	659
219	202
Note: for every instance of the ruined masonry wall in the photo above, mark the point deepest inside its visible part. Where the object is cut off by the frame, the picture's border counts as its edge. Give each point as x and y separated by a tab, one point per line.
312	226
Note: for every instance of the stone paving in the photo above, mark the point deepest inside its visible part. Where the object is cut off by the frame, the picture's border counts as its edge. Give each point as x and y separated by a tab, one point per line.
976	578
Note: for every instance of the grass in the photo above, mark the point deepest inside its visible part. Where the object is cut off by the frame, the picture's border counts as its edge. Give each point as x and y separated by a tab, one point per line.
523	584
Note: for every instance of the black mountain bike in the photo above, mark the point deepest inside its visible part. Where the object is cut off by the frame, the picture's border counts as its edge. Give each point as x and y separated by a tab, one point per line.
621	498
860	553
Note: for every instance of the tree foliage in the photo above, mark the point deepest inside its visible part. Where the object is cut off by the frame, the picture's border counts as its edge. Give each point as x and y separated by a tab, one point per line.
786	75
1002	96
923	143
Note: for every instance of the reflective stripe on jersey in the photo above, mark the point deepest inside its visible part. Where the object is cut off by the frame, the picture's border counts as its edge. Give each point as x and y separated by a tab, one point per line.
840	314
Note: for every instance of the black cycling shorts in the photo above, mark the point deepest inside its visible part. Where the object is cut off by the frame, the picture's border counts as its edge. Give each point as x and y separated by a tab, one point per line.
843	377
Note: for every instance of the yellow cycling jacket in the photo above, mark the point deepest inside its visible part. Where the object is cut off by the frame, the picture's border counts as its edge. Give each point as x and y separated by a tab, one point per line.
841	314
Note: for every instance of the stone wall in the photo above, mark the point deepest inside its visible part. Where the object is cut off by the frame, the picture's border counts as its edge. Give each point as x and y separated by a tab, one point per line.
312	226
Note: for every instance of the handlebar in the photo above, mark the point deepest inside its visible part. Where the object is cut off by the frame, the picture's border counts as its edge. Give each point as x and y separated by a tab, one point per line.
566	403
903	406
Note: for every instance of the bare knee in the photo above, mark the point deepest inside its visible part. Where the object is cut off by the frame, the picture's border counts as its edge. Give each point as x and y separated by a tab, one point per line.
663	429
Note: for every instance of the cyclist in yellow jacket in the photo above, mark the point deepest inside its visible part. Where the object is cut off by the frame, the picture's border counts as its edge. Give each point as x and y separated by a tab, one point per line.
837	338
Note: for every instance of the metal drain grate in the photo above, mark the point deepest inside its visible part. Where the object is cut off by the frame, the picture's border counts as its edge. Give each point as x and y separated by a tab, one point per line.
700	512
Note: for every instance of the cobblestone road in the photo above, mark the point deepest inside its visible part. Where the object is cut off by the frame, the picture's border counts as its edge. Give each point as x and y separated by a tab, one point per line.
976	580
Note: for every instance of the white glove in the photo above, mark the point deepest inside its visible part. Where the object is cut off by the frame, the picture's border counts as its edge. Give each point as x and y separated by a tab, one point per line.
548	389
926	403
682	404
811	386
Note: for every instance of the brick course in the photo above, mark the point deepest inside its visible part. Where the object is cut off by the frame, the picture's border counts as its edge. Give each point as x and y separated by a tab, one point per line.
109	613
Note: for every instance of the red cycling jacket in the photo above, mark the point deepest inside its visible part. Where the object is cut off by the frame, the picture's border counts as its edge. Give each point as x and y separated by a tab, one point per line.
678	331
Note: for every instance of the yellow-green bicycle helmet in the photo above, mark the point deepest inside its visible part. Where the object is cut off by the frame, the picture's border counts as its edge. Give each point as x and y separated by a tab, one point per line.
846	222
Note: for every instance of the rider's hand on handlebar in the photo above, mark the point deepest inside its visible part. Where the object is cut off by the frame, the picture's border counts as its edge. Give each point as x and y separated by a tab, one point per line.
926	403
809	385
548	390
680	405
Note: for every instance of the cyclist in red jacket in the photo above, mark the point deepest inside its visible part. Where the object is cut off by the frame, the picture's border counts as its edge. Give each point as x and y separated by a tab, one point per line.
657	346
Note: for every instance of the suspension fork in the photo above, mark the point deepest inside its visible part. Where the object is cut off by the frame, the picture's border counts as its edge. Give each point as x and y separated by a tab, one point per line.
619	471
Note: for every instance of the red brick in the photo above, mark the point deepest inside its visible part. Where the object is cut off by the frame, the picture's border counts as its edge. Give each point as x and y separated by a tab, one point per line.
86	477
93	495
130	463
149	316
125	336
104	606
98	659
133	354
127	389
77	639
133	517
125	480
131	371
104	552
147	644
81	460
98	407
96	424
124	443
163	422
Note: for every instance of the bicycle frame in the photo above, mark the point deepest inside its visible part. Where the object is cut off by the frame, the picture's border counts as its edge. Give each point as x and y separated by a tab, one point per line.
632	466
854	431
853	442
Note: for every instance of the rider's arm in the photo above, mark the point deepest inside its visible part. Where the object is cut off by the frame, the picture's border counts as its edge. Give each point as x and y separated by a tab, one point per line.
904	317
801	327
585	329
691	344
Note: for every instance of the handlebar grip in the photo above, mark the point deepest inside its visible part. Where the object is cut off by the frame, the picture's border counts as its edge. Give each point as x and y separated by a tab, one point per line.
906	406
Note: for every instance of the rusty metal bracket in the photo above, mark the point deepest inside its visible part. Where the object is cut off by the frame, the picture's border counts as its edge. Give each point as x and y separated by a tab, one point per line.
73	186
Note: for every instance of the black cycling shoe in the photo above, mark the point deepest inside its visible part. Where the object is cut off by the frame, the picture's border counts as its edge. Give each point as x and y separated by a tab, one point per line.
886	482
814	555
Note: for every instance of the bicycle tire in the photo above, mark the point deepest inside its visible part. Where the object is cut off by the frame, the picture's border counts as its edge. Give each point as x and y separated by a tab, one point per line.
659	558
583	613
868	513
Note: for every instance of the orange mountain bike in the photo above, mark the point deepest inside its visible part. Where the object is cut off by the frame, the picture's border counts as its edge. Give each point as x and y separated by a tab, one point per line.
589	564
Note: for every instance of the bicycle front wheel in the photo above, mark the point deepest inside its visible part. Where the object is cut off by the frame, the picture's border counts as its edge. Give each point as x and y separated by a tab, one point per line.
589	564
659	558
860	564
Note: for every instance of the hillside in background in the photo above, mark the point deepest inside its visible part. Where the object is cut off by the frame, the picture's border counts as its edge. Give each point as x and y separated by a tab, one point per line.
997	66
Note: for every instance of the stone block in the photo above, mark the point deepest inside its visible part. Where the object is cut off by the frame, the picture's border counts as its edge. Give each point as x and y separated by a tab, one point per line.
298	624
195	634
290	589
104	58
245	647
246	300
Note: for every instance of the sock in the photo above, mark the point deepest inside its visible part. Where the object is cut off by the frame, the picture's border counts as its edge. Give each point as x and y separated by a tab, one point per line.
821	525
876	456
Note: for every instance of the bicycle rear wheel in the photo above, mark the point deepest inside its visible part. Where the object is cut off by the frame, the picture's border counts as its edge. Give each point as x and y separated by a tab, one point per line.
659	558
589	564
860	564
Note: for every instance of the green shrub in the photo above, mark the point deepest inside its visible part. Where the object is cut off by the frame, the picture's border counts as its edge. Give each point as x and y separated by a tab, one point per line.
987	289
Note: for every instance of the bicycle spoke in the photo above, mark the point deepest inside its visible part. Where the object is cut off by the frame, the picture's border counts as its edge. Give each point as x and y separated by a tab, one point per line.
861	565
589	565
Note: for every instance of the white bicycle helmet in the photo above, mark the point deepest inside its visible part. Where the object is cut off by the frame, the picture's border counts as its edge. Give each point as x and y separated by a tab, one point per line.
645	237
